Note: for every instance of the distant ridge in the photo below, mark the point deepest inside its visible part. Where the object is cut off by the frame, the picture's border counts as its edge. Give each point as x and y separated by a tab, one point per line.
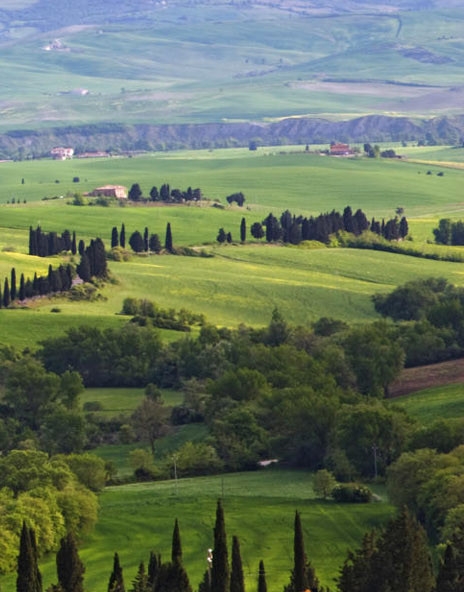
126	138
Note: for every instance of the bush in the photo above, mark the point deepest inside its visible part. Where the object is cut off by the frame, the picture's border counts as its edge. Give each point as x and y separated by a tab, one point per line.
353	493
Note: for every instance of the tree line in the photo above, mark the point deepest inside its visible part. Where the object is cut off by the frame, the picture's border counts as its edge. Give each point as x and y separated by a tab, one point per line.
394	558
146	242
92	265
46	244
289	228
165	194
449	232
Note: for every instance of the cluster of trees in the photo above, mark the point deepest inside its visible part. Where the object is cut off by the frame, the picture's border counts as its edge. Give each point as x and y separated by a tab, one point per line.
237	198
144	312
47	492
449	232
93	262
57	280
164	194
375	152
429	315
46	244
141	243
295	229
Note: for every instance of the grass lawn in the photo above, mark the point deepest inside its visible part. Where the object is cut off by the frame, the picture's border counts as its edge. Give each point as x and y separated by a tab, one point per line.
259	508
434	403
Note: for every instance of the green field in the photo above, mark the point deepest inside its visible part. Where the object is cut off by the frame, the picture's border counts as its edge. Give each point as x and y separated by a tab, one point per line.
304	284
218	61
427	406
259	509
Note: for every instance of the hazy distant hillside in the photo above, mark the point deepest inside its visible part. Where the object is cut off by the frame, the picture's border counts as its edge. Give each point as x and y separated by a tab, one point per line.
133	62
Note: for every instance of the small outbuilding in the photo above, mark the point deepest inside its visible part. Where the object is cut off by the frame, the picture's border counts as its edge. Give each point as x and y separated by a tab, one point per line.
117	191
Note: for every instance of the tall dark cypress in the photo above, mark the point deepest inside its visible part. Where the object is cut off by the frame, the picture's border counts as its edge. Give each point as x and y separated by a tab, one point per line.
6	293
28	575
122	236
262	585
139	584
300	581
22	288
74	243
237	582
81	247
69	567
116	581
13	284
243	230
154	565
114	237
176	550
450	576
145	239
168	241
83	269
220	563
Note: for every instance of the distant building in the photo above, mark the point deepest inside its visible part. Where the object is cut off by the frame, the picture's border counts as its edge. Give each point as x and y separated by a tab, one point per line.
60	153
341	150
118	191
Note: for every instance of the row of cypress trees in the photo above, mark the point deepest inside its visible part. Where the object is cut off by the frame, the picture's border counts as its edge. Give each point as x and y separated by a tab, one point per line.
397	559
140	243
56	280
46	244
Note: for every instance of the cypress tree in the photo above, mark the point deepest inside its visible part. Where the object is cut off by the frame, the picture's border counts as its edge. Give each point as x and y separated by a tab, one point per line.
13	284
154	243
83	269
116	581
22	288
262	586
136	242
69	567
145	239
28	578
122	236
168	241
6	294
220	563
176	550
237	582
140	582
74	244
303	576
243	230
32	241
114	237
450	576
154	565
81	247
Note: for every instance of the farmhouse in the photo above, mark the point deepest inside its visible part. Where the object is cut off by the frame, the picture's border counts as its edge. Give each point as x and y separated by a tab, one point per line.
60	153
341	150
118	191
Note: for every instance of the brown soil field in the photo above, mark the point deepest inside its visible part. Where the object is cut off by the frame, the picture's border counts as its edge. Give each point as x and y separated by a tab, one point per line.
422	377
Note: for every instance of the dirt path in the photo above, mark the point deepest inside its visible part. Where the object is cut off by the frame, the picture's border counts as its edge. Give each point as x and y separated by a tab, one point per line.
415	379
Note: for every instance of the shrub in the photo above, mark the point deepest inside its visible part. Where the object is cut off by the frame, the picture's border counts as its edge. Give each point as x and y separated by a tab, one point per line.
352	493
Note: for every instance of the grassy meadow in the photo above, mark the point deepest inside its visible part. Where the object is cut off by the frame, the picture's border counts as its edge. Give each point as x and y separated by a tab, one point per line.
304	283
428	405
259	508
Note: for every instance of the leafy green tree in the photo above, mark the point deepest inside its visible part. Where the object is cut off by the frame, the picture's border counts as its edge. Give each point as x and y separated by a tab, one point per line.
150	421
323	483
116	581
375	357
69	566
237	581
29	578
220	578
88	468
